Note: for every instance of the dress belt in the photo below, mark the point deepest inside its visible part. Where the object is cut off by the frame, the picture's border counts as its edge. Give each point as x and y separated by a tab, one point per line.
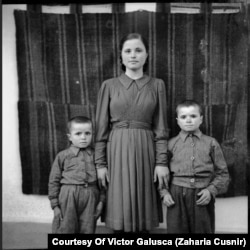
131	124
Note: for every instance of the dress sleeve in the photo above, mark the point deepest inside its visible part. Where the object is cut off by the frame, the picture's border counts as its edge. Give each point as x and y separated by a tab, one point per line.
55	182
220	182
160	127
102	126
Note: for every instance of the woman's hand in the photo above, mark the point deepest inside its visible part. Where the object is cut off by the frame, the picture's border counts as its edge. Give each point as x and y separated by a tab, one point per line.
102	176
162	175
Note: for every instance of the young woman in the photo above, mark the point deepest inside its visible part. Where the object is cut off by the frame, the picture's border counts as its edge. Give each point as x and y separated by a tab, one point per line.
131	141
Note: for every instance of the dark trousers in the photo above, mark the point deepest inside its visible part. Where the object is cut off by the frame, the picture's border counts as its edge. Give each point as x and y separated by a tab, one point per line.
77	204
187	217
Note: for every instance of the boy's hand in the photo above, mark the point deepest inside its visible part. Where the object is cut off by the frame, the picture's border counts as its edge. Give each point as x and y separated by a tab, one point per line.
58	213
162	174
168	200
98	210
205	197
102	175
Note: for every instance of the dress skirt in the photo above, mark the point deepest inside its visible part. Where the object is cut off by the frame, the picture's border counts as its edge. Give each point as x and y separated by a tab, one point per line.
133	203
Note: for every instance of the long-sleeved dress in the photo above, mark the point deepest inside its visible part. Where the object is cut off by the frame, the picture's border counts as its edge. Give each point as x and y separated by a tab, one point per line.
131	139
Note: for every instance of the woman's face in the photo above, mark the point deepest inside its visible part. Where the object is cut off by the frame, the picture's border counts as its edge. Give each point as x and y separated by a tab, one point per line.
134	54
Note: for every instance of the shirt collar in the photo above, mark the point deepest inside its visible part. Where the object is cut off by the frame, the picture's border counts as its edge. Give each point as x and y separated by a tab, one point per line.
184	134
75	150
127	81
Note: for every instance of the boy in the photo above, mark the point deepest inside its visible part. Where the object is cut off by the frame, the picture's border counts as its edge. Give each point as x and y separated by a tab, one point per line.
198	173
73	190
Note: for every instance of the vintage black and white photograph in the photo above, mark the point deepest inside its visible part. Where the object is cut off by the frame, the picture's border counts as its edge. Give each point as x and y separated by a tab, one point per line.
125	119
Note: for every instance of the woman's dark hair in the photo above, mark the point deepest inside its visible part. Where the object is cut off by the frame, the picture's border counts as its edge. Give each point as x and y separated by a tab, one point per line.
130	37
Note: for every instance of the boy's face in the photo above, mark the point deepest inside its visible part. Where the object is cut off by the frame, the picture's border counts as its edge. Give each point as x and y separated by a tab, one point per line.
189	118
80	134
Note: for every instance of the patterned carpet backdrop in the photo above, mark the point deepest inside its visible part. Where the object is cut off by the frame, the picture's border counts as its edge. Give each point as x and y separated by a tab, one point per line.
63	59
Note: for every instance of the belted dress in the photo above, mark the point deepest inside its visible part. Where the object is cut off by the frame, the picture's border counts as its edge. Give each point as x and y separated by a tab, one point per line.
131	139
